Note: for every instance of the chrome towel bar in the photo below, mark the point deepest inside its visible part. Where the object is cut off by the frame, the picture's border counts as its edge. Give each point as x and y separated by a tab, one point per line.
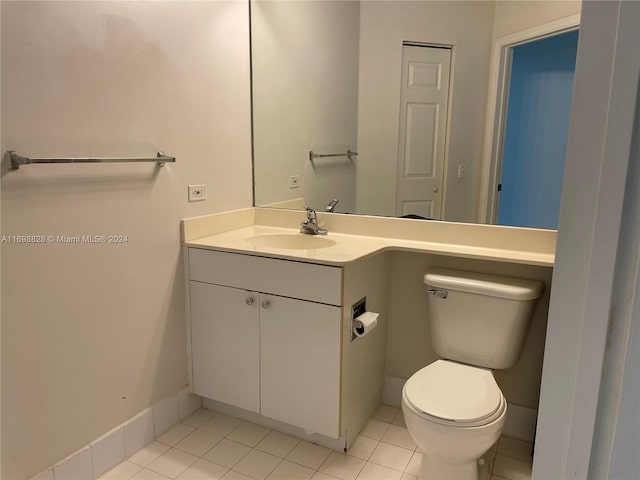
18	160
349	154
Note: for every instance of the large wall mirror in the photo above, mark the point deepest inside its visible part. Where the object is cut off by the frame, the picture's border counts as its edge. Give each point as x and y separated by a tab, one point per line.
446	110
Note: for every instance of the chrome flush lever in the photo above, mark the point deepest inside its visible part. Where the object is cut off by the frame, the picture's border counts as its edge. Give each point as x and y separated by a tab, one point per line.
438	293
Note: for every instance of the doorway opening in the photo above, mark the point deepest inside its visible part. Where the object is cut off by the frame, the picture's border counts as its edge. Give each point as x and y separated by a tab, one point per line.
525	142
536	131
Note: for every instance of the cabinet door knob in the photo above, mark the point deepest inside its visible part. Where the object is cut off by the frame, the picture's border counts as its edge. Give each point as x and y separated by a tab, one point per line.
249	300
266	304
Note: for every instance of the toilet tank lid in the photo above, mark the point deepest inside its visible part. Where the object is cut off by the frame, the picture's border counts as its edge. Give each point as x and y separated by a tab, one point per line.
484	284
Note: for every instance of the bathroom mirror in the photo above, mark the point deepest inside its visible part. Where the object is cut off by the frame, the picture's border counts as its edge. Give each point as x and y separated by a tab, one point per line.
407	87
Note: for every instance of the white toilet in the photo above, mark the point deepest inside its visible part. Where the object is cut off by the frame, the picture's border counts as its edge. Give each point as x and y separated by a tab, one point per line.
453	408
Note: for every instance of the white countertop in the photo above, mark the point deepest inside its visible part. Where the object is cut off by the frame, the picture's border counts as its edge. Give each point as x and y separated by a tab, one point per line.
231	232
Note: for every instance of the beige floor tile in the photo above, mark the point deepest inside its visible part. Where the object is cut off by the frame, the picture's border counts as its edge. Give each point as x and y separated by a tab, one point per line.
203	470
399	436
375	428
172	463
148	454
278	444
122	471
221	425
413	468
322	476
198	443
227	453
309	455
511	468
253	452
200	417
363	447
512	447
248	434
257	464
145	474
391	456
233	475
399	420
372	471
175	434
291	471
342	466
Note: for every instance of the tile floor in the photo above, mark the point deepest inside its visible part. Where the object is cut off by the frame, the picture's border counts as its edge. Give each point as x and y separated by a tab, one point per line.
211	446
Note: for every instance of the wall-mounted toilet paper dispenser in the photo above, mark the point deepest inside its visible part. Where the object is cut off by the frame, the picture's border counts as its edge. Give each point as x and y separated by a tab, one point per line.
362	321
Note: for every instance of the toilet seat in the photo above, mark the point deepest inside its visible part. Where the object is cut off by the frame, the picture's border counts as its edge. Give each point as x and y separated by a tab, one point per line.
455	394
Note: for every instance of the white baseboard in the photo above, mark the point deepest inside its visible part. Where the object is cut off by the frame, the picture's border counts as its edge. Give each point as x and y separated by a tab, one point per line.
520	422
392	391
110	449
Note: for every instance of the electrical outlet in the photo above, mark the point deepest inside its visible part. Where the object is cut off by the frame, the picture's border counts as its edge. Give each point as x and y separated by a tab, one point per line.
462	170
294	181
197	193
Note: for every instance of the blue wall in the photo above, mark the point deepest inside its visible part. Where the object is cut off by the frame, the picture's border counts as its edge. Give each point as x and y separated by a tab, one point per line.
538	111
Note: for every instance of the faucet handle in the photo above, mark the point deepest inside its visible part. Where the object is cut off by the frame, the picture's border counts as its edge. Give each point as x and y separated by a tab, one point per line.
332	206
310	225
311	213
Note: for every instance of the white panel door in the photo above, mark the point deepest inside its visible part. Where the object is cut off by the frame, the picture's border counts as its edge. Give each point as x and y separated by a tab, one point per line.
424	97
225	344
300	363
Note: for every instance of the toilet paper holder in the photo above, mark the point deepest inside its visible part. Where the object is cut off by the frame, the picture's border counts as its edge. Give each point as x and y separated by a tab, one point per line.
357	309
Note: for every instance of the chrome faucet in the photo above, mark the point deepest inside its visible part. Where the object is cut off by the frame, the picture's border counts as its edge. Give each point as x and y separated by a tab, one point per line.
310	225
332	206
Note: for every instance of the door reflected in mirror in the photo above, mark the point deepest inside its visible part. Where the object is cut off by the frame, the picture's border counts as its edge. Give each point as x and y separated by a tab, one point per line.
432	95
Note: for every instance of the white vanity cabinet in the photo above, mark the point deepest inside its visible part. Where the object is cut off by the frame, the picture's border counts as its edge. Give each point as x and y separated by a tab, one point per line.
225	344
300	363
266	336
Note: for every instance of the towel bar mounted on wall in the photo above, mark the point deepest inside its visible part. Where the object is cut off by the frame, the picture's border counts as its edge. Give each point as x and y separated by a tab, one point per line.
18	160
349	154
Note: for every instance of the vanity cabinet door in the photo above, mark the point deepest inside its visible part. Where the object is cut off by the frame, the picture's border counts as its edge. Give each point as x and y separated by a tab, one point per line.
225	344
300	362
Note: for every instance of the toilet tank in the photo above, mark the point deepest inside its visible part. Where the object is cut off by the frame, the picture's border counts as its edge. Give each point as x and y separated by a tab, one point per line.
479	319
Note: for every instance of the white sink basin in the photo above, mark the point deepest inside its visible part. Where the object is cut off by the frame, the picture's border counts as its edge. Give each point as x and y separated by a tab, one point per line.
290	241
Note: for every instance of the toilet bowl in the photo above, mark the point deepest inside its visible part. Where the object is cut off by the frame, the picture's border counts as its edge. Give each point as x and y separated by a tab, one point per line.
455	413
453	408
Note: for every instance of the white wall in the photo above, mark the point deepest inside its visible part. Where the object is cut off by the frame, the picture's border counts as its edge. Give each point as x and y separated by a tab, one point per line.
92	334
515	16
383	27
305	80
